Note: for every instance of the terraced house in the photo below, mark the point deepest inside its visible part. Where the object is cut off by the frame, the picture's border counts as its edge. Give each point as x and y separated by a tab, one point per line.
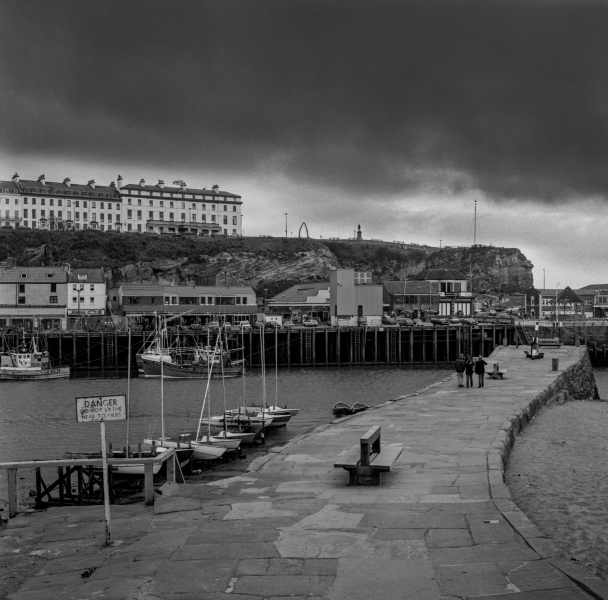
42	204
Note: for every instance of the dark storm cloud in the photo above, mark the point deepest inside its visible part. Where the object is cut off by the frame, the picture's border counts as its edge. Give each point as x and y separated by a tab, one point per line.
373	97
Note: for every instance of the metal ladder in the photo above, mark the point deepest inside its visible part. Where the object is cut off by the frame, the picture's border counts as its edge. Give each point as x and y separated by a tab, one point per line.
393	345
110	350
308	345
357	345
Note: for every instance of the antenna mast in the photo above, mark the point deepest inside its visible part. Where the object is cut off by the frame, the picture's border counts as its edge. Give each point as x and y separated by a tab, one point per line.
475	225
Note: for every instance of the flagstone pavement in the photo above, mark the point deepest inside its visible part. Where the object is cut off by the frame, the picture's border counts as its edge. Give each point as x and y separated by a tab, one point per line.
441	526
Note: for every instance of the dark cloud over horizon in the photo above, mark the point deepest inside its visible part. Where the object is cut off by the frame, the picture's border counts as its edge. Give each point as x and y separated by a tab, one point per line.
509	97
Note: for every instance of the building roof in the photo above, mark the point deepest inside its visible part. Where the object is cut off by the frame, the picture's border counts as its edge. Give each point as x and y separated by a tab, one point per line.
299	293
92	276
568	295
594	286
411	287
34	275
438	274
11	186
176	190
30	186
144	289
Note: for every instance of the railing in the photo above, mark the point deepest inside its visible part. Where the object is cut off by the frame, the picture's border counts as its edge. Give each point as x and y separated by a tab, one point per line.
174	472
33	306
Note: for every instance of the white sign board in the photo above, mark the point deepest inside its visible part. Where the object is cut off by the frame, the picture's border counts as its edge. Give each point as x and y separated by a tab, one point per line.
101	408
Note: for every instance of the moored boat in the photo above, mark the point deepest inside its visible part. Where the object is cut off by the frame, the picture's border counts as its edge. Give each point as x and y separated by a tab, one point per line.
342	408
25	364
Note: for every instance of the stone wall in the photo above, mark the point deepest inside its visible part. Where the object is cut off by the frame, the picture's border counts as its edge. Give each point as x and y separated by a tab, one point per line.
575	383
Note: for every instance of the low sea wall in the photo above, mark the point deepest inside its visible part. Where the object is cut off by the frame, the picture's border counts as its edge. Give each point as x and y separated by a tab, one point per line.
577	382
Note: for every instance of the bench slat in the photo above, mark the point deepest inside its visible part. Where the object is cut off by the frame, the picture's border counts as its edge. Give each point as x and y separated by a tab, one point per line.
350	460
384	461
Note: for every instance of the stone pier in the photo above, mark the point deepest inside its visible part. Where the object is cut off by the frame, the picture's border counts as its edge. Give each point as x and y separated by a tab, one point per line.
441	526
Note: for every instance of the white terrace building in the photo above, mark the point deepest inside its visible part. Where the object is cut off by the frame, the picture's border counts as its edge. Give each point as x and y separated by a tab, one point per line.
161	209
42	204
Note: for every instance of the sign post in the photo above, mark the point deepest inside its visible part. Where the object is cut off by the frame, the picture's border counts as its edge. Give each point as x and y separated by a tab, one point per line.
101	409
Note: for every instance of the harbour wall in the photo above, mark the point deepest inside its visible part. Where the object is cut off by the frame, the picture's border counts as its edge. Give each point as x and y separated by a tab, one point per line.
302	347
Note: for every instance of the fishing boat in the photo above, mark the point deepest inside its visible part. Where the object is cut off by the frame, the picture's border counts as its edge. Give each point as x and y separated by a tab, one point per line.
28	363
190	363
200	451
135	469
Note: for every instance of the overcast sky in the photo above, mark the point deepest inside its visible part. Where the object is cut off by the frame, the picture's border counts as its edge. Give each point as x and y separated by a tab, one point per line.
395	115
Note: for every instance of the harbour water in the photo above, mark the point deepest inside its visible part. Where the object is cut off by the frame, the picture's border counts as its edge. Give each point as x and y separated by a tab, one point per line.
38	418
558	476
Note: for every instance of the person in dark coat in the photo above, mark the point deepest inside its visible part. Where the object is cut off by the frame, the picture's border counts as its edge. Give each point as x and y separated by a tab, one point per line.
480	369
469	368
459	364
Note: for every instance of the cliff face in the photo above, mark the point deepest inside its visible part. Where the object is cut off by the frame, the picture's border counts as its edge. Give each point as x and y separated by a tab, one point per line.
271	264
500	269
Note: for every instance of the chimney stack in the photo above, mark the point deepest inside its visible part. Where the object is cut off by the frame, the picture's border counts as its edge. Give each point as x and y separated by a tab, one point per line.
161	184
215	188
119	182
182	185
10	261
92	183
67	181
16	178
142	183
42	179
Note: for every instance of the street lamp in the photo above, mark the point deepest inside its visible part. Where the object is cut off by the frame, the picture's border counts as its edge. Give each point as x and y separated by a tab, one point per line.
79	288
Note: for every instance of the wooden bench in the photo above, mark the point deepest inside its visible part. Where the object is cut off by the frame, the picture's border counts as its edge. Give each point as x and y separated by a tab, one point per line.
368	460
497	373
550	343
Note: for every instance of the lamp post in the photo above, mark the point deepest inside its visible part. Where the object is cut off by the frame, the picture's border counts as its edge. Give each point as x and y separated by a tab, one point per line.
285	224
556	306
79	289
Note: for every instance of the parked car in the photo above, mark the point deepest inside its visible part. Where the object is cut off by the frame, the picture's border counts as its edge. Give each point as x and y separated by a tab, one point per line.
288	324
421	323
242	325
272	325
468	321
455	320
310	322
440	321
386	320
405	321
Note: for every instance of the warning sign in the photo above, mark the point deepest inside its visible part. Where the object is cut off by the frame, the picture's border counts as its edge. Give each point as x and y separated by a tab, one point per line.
101	408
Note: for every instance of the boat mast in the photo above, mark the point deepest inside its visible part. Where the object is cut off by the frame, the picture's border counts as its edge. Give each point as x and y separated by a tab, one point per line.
198	431
276	366
128	392
162	387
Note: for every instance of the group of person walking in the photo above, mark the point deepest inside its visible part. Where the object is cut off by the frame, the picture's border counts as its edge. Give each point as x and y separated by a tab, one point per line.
466	366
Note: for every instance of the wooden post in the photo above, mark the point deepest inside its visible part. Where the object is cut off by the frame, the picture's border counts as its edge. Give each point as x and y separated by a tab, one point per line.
171	467
388	333
338	345
493	337
302	357
38	485
59	340
399	341
80	487
149	484
376	346
424	345
116	349
447	344
435	357
313	334
326	347
103	353
13	495
364	344
411	345
74	347
88	350
288	348
351	346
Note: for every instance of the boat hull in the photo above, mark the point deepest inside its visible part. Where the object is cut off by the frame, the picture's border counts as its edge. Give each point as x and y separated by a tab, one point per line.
13	374
172	371
200	451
